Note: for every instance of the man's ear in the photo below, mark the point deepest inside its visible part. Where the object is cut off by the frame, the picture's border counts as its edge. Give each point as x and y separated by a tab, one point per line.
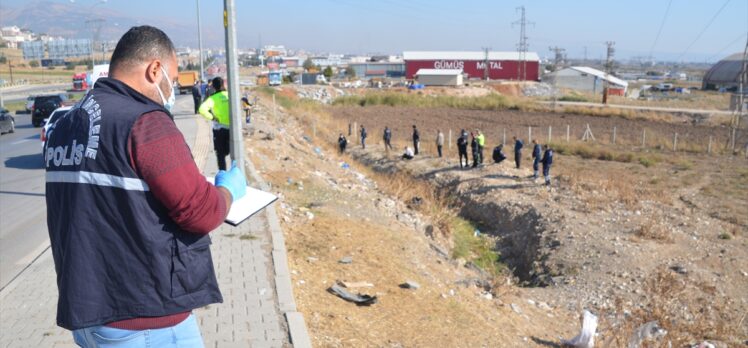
153	70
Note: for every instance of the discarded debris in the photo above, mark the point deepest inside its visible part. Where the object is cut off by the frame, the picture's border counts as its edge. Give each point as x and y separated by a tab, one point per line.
704	344
346	260
679	269
648	331
358	299
410	285
515	308
415	202
586	338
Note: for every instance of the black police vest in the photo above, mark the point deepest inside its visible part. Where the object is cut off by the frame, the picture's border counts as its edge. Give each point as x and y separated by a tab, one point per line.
117	253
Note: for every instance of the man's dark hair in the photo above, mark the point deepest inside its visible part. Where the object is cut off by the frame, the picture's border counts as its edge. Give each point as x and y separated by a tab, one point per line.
217	83
141	44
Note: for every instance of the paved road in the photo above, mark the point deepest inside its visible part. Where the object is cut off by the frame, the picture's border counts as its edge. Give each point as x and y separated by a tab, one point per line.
16	93
23	229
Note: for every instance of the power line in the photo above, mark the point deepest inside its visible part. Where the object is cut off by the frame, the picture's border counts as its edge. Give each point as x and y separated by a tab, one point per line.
726	47
659	31
703	30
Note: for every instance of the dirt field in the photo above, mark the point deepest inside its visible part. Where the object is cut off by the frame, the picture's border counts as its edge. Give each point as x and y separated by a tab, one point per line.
494	124
632	241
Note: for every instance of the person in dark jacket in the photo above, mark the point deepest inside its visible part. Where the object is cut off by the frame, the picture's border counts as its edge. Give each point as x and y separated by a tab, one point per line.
547	162
498	154
536	152
387	137
416	139
518	144
363	137
197	96
462	144
342	143
474	148
129	212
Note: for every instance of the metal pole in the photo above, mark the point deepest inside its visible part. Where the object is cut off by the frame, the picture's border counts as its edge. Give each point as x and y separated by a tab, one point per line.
675	142
567	133
449	142
232	72
503	139
549	134
709	147
644	137
614	135
529	134
200	43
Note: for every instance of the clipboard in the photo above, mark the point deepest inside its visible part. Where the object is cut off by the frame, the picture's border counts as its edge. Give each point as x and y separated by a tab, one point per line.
251	203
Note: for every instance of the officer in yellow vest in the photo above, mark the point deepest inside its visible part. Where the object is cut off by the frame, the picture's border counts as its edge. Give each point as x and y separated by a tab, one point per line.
216	108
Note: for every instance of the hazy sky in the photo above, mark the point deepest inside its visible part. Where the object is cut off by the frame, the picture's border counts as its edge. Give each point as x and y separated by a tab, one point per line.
693	29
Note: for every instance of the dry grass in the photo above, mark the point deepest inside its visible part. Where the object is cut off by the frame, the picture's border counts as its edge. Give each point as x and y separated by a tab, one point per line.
689	311
652	229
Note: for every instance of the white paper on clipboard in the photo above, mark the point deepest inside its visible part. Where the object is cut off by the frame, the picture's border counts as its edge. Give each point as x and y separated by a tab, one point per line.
252	202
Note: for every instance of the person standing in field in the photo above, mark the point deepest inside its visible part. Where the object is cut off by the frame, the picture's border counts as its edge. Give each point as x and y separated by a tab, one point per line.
439	142
462	144
474	148
416	139
518	144
363	137
342	143
536	152
547	162
481	143
387	137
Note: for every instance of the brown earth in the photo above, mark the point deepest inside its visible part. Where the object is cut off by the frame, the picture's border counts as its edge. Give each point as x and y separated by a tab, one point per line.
631	243
495	124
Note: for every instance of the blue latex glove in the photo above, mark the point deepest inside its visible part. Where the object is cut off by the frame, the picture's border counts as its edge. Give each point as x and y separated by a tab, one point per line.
232	180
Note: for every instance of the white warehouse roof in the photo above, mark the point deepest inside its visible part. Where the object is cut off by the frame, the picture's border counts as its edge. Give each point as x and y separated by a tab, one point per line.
601	75
439	72
467	55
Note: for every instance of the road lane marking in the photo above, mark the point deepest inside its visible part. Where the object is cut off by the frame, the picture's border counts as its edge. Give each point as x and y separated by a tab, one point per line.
21	141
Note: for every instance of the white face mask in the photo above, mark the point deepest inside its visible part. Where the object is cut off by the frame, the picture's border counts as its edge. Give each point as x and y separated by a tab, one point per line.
168	104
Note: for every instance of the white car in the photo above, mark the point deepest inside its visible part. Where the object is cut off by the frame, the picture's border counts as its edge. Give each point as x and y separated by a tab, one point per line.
50	121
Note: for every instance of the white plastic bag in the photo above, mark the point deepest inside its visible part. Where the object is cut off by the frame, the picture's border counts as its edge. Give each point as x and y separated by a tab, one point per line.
586	338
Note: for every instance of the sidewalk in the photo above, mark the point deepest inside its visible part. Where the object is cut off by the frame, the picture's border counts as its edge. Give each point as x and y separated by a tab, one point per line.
249	261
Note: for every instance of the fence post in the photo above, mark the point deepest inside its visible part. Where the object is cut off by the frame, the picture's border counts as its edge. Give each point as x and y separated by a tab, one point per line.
450	139
675	142
503	140
644	138
614	135
314	129
709	147
567	133
355	131
549	134
529	135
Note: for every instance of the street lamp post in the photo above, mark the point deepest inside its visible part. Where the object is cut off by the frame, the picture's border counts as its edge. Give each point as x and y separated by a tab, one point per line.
232	72
200	43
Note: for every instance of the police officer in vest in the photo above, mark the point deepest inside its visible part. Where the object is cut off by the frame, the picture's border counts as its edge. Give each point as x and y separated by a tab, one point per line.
216	109
128	211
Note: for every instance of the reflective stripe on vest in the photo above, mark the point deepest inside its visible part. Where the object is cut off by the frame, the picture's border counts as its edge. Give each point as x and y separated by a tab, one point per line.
130	184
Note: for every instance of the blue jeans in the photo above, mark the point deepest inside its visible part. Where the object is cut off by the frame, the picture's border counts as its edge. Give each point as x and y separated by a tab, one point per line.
183	335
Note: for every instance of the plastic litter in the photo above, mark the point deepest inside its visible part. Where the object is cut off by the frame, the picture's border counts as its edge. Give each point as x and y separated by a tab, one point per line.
586	338
410	285
476	233
648	331
345	166
318	150
704	344
358	299
346	260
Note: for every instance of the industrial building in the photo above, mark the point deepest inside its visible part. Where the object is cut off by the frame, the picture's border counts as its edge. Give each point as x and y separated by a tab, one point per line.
378	69
476	64
586	79
439	77
725	74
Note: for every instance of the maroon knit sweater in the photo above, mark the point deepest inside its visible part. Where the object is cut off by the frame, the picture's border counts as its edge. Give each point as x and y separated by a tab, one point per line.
161	157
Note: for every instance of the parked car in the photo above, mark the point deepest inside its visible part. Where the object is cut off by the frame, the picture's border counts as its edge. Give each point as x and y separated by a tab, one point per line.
7	122
50	122
44	105
29	103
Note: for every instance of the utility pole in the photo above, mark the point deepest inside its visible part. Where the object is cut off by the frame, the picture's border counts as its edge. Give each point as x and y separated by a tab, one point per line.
559	57
10	67
200	43
232	72
95	33
486	62
608	68
740	111
522	46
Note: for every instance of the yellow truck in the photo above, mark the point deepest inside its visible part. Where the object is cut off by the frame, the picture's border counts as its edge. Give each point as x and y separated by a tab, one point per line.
186	80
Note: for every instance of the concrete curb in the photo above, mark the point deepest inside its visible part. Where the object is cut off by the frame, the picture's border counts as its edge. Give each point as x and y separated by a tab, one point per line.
298	333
